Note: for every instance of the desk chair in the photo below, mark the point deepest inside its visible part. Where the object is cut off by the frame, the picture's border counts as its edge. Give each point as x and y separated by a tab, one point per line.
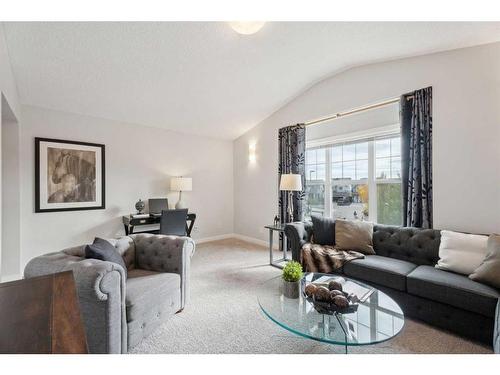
173	222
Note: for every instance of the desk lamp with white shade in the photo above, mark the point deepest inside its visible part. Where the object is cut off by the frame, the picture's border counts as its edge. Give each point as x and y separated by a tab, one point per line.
181	184
291	182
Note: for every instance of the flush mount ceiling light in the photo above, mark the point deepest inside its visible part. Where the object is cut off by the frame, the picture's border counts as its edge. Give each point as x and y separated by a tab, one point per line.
246	27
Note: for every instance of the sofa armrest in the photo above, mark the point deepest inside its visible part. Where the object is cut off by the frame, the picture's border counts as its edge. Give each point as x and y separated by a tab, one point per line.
496	333
297	234
101	292
162	253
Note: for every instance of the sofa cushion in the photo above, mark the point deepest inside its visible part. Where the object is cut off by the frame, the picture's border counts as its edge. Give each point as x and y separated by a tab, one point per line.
146	289
151	299
126	248
139	272
461	252
489	271
104	250
452	289
324	230
380	270
419	246
354	235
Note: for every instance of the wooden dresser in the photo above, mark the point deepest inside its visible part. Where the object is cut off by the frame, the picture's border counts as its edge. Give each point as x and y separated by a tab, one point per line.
41	315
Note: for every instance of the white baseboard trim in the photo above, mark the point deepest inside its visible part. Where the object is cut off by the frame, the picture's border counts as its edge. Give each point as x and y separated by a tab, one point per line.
256	241
214	238
240	237
7	278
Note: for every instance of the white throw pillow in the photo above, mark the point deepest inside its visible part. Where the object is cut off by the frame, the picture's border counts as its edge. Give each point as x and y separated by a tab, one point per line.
461	252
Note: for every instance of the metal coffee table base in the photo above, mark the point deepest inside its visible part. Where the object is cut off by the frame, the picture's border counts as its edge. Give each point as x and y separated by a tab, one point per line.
328	328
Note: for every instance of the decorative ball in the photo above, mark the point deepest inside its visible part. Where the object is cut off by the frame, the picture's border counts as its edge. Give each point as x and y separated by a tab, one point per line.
334	293
322	294
340	301
310	289
334	285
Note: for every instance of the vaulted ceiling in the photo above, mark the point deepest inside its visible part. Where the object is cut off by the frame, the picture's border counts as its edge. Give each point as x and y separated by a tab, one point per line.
202	77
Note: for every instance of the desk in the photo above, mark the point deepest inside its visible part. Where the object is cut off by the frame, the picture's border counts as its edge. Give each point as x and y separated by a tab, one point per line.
130	222
280	228
41	315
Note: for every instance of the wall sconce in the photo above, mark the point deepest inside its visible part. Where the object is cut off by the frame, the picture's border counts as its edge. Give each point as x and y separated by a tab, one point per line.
252	156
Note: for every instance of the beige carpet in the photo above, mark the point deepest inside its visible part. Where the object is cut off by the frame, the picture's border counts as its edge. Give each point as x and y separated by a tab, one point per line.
223	315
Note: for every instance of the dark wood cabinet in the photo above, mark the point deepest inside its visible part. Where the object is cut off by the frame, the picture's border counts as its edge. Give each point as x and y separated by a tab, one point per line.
41	315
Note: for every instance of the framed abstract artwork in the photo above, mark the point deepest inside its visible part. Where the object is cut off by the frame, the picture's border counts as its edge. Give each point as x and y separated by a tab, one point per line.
69	175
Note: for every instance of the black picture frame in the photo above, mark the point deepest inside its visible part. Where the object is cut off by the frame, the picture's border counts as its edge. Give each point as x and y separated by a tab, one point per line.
38	208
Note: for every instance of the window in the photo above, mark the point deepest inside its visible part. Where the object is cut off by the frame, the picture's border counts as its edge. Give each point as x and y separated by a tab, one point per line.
388	158
315	180
349	180
388	177
358	179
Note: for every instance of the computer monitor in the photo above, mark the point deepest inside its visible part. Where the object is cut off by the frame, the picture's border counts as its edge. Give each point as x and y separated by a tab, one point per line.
156	205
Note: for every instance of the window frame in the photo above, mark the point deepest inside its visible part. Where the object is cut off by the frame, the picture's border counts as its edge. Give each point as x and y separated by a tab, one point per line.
369	136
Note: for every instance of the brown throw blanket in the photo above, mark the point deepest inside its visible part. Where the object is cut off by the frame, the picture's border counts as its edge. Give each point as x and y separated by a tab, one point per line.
325	259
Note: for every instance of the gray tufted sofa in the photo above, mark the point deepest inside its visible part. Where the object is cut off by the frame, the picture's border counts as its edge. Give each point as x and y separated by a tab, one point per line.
403	267
118	312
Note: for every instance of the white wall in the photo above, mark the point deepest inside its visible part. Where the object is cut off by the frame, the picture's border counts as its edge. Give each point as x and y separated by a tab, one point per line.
139	161
10	193
466	113
7	82
360	122
9	109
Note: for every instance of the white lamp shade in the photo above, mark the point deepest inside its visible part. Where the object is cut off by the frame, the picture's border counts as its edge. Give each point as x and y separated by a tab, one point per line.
291	182
181	184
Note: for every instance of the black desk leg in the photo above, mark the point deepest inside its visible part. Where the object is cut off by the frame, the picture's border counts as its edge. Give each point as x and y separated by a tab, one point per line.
189	228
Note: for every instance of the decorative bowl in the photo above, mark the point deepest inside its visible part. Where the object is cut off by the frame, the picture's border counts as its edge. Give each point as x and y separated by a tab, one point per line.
328	307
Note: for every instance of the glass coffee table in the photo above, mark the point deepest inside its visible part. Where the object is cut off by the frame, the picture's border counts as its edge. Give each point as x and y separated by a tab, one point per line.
377	319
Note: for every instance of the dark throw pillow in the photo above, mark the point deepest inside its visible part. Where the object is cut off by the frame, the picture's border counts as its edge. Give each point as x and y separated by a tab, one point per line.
323	230
103	250
489	271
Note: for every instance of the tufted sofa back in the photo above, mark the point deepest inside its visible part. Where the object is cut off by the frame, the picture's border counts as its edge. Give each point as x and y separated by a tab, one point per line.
124	245
418	246
143	251
158	252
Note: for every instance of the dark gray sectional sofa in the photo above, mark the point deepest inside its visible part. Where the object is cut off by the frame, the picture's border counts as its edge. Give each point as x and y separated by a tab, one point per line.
403	267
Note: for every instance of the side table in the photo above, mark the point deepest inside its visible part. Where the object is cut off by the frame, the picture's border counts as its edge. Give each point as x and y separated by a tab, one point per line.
280	228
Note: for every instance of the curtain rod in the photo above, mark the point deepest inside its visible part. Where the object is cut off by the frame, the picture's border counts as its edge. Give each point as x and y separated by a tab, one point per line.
356	110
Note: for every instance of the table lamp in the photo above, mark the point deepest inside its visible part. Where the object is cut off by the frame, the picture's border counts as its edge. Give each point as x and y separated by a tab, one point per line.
181	184
291	182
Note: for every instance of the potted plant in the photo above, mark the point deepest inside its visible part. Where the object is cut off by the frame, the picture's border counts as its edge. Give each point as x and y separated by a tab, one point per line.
292	274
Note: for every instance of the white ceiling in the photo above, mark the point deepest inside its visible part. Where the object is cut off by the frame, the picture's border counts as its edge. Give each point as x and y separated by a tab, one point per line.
203	78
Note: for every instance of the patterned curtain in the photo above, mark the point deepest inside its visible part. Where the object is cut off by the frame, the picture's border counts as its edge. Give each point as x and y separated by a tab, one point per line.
416	158
292	150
